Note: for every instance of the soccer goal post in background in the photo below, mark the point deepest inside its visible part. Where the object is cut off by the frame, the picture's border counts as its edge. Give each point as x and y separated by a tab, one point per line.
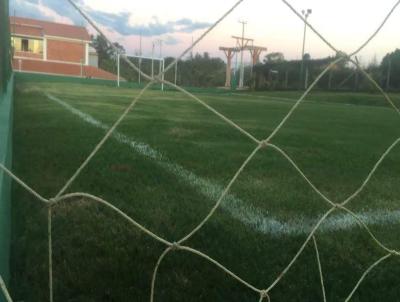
6	95
156	65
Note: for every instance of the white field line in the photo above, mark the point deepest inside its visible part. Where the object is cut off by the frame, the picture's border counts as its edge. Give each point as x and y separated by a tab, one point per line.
267	97
238	208
286	100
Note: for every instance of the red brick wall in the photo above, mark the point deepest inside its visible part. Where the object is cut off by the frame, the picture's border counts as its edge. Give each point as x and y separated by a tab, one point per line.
27	54
62	69
22	30
65	51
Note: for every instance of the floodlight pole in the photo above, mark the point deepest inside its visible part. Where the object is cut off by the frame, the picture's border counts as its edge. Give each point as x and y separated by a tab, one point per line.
241	82
253	63
389	72
152	60
160	42
118	71
140	60
191	52
176	72
236	67
306	14
162	76
162	64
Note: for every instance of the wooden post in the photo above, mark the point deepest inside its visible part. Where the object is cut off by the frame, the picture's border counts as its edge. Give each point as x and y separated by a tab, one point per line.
229	53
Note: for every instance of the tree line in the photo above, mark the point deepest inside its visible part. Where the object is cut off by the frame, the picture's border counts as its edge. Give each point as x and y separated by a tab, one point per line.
277	73
201	70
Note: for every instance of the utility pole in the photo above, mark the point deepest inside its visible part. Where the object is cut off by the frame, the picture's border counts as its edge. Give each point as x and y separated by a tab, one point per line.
242	44
306	14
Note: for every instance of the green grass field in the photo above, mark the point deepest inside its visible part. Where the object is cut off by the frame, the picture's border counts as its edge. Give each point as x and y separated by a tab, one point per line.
335	138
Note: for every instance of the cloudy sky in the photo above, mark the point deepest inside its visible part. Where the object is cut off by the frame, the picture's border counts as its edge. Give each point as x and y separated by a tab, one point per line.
345	23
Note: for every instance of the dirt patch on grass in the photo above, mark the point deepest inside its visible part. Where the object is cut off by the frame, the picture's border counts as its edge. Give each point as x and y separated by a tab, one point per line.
122	168
71	206
180	132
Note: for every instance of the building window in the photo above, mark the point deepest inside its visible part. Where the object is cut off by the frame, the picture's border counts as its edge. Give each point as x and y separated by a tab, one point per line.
27	45
24	44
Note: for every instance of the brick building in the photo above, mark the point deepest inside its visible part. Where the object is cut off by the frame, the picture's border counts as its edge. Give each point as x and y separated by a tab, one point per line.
53	48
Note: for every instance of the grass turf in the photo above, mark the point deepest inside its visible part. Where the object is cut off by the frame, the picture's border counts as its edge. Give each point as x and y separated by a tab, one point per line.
335	139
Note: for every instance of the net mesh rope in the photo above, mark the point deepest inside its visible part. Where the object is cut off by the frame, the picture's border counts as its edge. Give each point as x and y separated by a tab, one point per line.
260	144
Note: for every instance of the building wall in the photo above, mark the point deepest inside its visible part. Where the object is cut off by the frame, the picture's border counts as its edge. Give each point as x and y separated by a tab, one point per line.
67	69
66	51
24	54
32	49
18	29
93	60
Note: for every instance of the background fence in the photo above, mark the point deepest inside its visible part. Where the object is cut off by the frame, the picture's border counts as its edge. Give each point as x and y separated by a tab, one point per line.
6	96
27	77
5	47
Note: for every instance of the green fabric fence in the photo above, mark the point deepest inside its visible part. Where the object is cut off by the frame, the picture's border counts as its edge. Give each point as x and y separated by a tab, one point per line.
47	78
6	114
6	101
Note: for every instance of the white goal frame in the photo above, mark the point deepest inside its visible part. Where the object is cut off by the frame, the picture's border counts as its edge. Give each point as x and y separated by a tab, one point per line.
161	64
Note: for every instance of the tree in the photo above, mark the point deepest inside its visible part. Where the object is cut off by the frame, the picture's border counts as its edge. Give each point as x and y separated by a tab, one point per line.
307	57
120	48
390	68
274	57
374	63
197	71
202	71
104	50
102	47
